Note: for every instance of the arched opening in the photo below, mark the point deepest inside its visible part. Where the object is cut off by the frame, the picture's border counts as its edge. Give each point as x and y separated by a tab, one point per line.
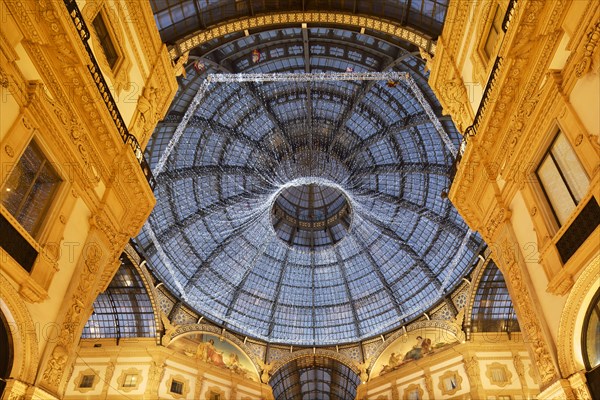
493	309
590	344
6	352
314	377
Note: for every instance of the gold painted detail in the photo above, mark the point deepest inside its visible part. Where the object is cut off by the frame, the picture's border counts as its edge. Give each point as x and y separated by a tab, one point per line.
297	18
593	38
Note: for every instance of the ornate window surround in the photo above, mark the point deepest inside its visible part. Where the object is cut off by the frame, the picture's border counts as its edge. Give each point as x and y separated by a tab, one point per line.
481	62
457	381
123	376
498	366
544	221
79	379
215	390
49	234
410	389
182	380
119	74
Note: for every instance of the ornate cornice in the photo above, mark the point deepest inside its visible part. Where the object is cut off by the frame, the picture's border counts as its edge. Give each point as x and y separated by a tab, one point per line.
297	18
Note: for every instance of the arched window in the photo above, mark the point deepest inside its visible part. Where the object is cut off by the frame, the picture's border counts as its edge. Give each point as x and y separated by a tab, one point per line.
493	308
591	334
314	378
124	309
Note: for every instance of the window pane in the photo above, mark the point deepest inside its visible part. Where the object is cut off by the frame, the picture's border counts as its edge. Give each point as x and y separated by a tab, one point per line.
556	190
570	167
105	40
29	189
494	33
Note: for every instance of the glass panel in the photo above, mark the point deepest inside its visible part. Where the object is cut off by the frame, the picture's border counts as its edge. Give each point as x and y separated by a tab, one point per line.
308	212
130	380
105	40
29	189
556	190
571	167
124	309
494	32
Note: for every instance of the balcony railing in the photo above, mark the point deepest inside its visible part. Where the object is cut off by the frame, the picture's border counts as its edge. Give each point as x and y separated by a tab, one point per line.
103	89
486	99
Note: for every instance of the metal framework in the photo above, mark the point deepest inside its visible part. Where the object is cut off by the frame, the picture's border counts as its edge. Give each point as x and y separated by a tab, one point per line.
493	309
124	309
306	113
389	76
314	378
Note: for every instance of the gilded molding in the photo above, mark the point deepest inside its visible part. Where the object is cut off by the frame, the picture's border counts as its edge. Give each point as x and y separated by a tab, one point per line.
567	352
473	371
593	37
352	364
528	318
55	366
173	332
579	386
453	327
297	18
27	359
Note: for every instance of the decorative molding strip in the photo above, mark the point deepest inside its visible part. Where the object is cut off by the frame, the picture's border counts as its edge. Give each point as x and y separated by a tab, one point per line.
109	101
297	18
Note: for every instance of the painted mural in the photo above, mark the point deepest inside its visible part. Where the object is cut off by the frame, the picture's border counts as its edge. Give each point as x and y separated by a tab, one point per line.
221	353
412	346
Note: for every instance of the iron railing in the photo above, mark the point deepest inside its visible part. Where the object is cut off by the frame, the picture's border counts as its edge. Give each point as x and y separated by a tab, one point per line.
103	89
486	98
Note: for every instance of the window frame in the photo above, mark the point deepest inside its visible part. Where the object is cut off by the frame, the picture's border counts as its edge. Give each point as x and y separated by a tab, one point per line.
107	36
556	223
122	380
496	366
185	386
482	62
38	232
80	378
457	382
491	24
118	75
412	389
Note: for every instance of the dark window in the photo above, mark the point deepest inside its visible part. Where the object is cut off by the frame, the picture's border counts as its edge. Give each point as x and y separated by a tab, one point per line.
494	33
215	396
563	178
105	40
30	188
176	387
591	334
87	381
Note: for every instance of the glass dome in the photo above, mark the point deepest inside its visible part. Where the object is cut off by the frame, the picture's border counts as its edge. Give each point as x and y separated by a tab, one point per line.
307	213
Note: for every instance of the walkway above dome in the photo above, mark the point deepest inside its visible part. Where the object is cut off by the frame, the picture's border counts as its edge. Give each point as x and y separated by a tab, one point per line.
307	212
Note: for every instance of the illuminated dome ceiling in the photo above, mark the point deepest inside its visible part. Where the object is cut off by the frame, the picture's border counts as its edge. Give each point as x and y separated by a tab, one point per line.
306	212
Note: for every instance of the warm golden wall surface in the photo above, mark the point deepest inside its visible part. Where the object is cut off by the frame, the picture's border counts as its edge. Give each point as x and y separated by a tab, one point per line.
73	183
525	90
